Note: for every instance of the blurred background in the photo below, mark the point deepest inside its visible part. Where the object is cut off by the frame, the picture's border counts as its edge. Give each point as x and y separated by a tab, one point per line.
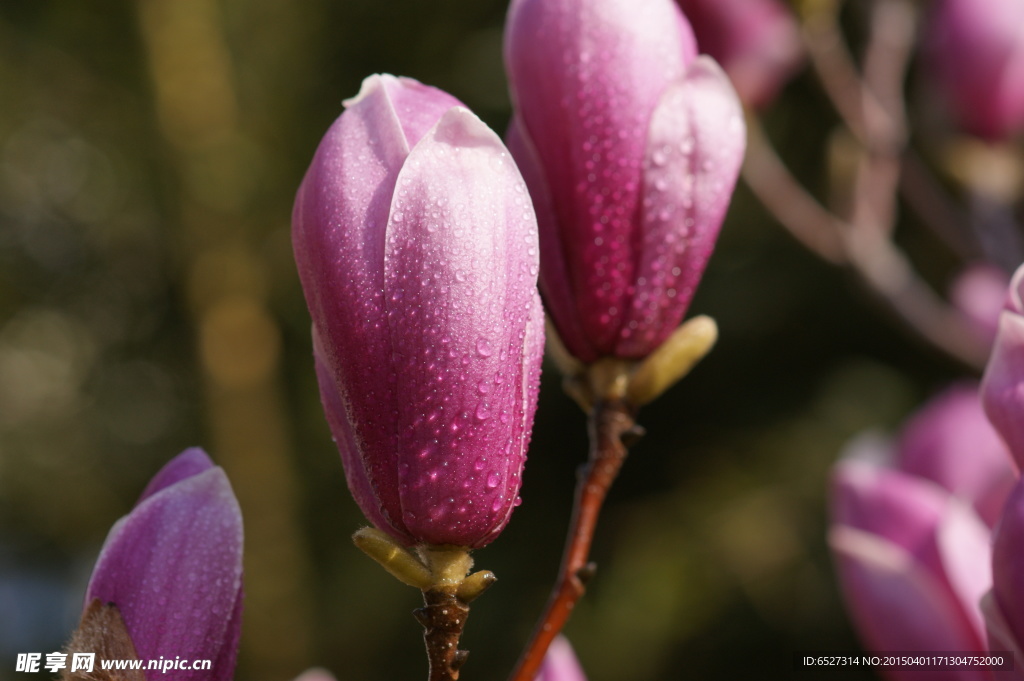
149	155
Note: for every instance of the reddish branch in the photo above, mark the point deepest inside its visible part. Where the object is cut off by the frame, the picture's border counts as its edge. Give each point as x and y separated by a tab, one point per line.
610	423
443	617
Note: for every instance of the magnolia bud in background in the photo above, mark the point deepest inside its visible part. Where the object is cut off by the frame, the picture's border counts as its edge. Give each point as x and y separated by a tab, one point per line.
757	42
630	146
172	568
911	550
417	248
1002	388
976	57
979	293
560	663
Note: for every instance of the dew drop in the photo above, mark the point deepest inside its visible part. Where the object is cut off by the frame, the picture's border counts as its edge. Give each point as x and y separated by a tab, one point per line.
479	464
492	480
483	348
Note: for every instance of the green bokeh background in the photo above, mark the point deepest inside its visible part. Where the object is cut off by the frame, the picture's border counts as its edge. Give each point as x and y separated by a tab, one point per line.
149	155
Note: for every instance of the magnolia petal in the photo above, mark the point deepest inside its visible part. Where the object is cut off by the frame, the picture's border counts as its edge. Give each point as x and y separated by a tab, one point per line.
173	568
897	507
965	550
1002	388
693	153
460	259
1000	639
416	106
1008	563
951	442
192	461
559	298
381	505
897	605
528	385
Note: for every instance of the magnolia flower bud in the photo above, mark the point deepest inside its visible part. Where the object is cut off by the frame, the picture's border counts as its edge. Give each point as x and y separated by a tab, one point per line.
976	55
417	248
631	147
757	42
560	663
911	528
172	568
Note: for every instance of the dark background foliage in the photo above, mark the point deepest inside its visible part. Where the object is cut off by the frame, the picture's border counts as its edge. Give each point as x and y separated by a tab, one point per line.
149	155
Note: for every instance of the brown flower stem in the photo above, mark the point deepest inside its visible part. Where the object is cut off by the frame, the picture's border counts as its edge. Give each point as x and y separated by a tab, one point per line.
611	425
443	616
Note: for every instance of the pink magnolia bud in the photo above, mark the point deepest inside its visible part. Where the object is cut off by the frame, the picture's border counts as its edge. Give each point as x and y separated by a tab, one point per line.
631	147
913	561
911	529
1002	388
173	569
976	50
417	249
560	663
757	42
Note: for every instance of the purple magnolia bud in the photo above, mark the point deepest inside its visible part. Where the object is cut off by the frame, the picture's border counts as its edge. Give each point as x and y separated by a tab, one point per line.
976	50
950	441
757	42
560	663
1002	388
913	561
630	147
1004	606
417	248
173	569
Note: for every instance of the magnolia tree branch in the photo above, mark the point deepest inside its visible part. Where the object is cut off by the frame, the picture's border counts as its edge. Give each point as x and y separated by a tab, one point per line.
872	109
876	260
611	426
